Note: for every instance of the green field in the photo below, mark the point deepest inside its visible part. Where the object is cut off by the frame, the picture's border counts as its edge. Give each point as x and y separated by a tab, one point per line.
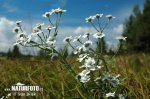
59	84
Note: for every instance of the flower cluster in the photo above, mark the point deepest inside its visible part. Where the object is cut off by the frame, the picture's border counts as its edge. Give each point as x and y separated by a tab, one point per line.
95	72
41	35
56	11
92	60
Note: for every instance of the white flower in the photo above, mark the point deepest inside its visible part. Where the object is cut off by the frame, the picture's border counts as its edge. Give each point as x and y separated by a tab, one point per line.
82	57
18	23
99	67
87	45
68	39
77	38
37	29
89	62
39	26
109	16
77	49
84	72
90	18
58	11
86	35
16	30
19	84
21	39
98	35
47	14
112	79
83	76
51	40
117	76
49	28
98	16
121	38
110	94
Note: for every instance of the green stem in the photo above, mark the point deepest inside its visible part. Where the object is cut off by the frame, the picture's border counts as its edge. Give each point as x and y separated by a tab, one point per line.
94	27
99	24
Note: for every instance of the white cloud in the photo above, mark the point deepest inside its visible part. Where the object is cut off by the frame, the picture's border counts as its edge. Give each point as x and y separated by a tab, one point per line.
84	29
111	35
118	29
6	34
9	7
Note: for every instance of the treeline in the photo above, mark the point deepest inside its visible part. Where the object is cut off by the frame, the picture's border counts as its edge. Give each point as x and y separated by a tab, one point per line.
15	52
137	29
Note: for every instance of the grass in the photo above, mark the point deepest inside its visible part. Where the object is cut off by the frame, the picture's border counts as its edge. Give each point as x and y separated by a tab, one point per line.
59	84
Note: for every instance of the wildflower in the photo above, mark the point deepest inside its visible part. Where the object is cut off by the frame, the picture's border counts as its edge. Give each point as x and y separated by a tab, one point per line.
37	29
90	18
47	14
22	39
99	67
84	72
98	35
82	57
112	79
16	30
77	49
49	28
89	62
58	11
18	23
83	76
39	26
51	40
110	94
77	38
118	76
68	39
87	45
121	38
19	84
86	35
98	16
110	17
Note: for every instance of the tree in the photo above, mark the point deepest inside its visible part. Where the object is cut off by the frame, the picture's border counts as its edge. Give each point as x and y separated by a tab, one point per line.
137	29
16	52
9	53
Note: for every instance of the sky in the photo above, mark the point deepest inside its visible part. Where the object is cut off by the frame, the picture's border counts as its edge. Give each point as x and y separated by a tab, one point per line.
72	22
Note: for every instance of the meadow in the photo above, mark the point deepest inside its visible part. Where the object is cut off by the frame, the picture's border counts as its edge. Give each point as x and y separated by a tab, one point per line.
57	82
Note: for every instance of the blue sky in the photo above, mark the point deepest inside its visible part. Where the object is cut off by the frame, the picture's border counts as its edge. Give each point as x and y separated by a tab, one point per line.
30	11
77	10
